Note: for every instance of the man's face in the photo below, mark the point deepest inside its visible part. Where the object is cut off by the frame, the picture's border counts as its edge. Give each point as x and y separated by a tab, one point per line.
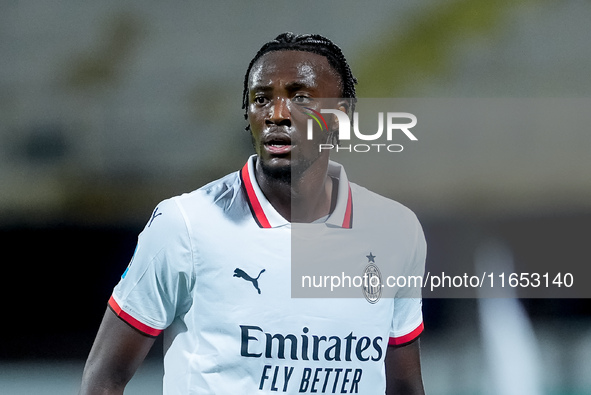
281	84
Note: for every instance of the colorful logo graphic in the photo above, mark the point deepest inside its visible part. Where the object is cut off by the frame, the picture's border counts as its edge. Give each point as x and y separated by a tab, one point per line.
137	246
315	115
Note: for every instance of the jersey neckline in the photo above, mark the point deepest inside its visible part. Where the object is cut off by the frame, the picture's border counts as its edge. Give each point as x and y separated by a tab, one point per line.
265	215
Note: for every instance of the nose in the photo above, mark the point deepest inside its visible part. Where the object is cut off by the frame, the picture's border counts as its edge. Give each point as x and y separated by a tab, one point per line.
280	113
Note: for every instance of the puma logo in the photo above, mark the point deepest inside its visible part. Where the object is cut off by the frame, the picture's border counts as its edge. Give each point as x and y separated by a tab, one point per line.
154	215
242	274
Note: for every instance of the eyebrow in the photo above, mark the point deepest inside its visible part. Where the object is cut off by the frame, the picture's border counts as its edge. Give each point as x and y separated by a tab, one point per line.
291	86
294	86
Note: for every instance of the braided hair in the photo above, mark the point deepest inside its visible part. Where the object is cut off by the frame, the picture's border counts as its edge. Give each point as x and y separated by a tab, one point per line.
314	43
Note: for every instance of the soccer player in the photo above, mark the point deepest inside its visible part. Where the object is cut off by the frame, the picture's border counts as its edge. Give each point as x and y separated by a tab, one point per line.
212	267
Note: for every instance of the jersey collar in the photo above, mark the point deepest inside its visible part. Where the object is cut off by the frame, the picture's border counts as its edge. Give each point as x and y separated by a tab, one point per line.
342	216
265	214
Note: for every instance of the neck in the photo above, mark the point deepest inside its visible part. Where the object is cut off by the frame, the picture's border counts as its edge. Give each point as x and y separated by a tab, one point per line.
301	198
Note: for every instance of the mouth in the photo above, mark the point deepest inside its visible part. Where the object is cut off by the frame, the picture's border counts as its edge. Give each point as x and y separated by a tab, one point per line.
278	144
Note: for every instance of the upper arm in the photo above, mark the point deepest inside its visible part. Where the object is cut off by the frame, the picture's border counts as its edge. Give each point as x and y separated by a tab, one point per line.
117	352
153	290
403	370
403	359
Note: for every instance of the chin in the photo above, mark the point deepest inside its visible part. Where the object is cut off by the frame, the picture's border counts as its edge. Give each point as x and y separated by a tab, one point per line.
286	169
279	171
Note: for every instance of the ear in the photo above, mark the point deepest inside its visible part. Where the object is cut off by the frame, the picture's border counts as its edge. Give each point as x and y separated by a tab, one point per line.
341	105
344	106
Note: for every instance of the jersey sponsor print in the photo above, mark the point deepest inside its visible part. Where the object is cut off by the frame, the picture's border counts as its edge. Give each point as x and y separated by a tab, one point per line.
309	347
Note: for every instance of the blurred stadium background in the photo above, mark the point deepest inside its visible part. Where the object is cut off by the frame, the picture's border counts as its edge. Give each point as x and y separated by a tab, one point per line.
108	107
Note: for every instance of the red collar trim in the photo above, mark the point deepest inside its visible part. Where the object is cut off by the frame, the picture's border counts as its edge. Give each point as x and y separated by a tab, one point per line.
258	213
348	220
253	202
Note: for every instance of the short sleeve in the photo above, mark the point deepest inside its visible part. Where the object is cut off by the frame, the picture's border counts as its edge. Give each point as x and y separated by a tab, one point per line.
407	321
156	286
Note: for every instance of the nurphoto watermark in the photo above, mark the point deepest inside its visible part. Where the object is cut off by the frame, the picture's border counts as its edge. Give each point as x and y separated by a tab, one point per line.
390	125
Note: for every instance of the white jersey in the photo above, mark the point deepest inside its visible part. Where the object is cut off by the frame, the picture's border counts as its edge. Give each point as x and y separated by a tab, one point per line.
212	270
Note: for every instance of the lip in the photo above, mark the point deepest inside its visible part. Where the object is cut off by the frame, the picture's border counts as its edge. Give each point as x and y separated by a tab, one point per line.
277	143
278	149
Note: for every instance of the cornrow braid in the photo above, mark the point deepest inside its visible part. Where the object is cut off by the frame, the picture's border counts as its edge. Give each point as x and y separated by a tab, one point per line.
314	43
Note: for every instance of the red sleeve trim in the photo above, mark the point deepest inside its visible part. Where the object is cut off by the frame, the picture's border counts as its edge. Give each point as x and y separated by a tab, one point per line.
398	341
148	330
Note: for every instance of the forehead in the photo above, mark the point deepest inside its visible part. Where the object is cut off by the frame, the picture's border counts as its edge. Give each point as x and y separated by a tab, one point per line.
293	66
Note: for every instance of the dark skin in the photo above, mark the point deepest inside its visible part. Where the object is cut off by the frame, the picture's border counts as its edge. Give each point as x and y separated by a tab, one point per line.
403	370
280	84
117	352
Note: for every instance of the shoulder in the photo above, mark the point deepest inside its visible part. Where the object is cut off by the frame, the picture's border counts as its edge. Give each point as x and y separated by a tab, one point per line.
223	189
165	224
171	225
181	213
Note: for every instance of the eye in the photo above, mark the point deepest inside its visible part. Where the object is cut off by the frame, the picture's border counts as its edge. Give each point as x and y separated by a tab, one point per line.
260	100
301	99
